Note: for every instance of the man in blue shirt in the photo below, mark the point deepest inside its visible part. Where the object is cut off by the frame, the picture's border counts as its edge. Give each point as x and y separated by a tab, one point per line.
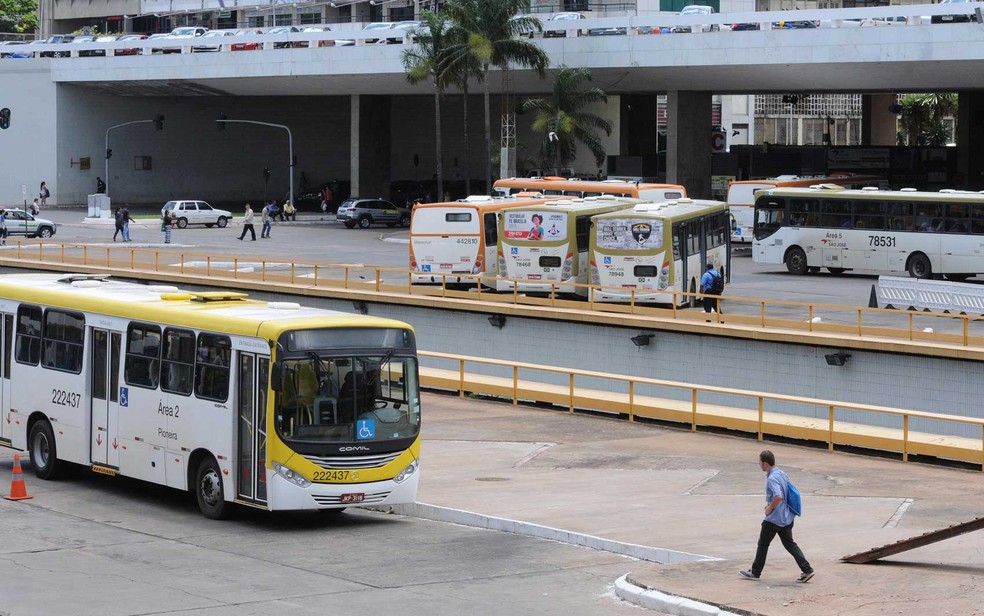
778	521
707	288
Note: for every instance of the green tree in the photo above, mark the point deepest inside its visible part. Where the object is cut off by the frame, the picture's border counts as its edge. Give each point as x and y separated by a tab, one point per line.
20	16
460	73
423	61
921	120
487	32
563	120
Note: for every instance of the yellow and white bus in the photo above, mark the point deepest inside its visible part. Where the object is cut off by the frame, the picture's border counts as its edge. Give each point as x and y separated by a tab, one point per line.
643	254
544	248
741	196
265	404
455	242
922	233
579	189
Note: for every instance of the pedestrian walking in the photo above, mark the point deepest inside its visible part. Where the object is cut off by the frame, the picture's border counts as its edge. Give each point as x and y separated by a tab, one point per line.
100	186
35	207
119	224
267	217
126	224
43	194
248	224
3	227
166	226
290	212
778	521
712	283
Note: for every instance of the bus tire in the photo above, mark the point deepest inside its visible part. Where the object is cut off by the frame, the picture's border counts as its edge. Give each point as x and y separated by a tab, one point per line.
836	271
44	452
919	266
209	491
796	261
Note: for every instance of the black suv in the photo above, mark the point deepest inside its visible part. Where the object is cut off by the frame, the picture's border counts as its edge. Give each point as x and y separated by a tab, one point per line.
366	212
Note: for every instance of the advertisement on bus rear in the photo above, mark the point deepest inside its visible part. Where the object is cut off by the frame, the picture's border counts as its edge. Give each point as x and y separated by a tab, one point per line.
535	226
629	234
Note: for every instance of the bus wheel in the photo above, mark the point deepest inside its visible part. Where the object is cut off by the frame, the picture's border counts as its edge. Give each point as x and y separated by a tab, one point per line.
208	490
796	261
836	271
919	266
44	453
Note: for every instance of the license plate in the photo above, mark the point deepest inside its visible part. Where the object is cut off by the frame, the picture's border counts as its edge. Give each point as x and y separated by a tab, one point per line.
352	498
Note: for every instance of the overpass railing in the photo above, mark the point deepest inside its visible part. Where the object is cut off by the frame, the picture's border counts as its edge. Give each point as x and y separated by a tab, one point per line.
747	312
908	432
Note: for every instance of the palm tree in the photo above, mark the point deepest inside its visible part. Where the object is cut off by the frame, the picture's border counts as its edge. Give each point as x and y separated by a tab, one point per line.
563	121
922	118
487	32
460	74
424	61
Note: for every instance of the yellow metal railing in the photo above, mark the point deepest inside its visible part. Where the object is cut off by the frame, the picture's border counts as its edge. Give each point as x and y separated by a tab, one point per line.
962	330
737	418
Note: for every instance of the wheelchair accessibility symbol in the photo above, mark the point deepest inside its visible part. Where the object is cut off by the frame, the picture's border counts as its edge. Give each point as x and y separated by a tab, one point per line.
365	429
124	396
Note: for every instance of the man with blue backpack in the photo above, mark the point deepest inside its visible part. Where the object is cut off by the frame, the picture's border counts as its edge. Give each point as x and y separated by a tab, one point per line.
783	504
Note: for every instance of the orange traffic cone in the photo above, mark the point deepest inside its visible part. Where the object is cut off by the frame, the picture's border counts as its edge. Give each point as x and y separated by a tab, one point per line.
18	491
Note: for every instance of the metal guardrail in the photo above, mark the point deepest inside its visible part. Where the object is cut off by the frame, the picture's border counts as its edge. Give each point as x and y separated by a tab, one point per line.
834	435
765	314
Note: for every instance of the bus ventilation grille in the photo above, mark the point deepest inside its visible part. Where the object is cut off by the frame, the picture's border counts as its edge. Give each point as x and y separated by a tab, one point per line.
353	462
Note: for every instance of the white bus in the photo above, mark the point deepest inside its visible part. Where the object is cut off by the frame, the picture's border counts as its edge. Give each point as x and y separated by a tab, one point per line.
551	186
265	404
922	233
544	248
741	196
452	243
642	254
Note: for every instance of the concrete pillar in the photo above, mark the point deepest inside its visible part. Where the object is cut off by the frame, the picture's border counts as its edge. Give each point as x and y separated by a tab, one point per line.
970	141
688	141
370	146
878	124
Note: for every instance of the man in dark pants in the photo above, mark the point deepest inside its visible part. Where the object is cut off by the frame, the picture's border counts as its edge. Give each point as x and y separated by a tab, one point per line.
711	283
248	224
778	521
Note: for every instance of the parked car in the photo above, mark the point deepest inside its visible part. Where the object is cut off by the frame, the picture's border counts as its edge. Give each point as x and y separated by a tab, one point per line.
400	31
211	41
196	213
20	222
379	25
327	43
55	40
697	10
798	24
286	30
561	18
950	19
156	37
250	45
98	53
897	20
180	37
745	26
366	212
15	49
129	51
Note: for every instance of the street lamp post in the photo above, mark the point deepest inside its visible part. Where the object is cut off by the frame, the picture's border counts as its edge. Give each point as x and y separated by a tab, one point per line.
290	144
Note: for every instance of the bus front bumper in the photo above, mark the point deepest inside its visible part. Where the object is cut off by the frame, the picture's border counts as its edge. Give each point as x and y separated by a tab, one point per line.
283	495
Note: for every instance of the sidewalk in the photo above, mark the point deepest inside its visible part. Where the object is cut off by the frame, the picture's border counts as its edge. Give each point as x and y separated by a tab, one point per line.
703	494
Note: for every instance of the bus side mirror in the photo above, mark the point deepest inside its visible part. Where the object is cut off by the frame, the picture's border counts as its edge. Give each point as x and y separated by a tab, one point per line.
277	376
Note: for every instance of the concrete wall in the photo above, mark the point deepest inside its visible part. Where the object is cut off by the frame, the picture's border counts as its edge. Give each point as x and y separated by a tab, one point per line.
29	152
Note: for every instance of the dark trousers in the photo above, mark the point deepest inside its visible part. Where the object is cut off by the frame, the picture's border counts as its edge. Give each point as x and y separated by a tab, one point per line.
252	232
712	302
769	532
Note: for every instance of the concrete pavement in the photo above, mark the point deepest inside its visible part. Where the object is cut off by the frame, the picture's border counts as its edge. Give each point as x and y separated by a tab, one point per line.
703	494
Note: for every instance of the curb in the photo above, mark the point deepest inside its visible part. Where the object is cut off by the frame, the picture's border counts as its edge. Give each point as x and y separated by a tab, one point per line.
655	600
468	518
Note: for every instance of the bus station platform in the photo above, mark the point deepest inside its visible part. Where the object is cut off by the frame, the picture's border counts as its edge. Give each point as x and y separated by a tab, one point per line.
699	497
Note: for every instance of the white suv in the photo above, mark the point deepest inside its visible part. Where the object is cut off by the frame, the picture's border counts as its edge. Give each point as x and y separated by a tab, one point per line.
196	213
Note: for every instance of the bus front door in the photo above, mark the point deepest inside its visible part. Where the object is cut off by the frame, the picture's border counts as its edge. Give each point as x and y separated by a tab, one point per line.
104	380
6	343
253	381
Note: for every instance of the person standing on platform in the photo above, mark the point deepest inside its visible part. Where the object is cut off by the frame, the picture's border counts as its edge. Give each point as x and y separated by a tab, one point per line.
778	521
166	226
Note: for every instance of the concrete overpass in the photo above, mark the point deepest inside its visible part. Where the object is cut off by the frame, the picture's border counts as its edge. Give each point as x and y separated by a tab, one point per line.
62	106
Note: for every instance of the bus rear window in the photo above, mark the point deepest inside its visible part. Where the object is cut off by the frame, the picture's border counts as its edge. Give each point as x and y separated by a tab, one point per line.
458	217
645	271
549	262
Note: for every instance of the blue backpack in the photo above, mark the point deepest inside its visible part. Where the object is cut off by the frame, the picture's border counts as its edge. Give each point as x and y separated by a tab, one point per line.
793	498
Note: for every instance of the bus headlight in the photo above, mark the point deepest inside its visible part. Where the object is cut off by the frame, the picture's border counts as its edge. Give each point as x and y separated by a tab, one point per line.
291	475
407	472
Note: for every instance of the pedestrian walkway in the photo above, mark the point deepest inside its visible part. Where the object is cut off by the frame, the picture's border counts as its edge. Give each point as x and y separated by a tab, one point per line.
703	494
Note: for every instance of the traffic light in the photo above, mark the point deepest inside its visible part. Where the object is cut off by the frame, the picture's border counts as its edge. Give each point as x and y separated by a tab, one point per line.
221	121
109	152
266	173
5	118
159	122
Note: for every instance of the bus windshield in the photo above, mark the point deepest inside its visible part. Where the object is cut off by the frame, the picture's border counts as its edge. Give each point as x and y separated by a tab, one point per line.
768	217
348	398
